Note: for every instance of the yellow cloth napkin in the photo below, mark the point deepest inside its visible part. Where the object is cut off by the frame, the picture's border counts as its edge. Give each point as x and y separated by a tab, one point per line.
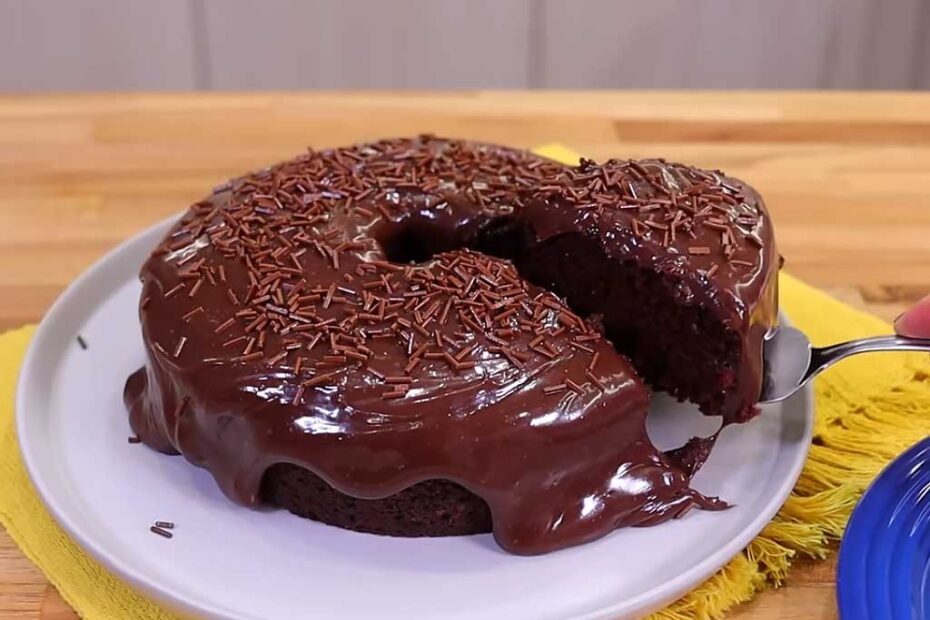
868	411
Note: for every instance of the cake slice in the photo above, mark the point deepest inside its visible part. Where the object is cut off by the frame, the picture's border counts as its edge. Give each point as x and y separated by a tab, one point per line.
677	264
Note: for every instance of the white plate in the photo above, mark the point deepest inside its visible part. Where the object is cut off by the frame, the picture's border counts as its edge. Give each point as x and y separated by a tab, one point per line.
228	561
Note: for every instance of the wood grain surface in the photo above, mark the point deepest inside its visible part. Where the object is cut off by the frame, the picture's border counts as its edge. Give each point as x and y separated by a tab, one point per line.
846	177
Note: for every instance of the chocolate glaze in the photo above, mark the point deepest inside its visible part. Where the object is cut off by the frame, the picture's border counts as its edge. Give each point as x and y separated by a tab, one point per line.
278	329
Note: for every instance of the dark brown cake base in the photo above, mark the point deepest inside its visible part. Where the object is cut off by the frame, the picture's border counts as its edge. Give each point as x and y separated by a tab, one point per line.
430	508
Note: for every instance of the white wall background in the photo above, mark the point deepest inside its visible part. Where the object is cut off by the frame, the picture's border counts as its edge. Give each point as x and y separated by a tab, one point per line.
62	45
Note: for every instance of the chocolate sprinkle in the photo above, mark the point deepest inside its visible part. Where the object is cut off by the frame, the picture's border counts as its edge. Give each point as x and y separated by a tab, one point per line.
161	531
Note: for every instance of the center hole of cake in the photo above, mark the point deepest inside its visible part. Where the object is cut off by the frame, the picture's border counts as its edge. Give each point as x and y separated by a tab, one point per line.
412	242
418	238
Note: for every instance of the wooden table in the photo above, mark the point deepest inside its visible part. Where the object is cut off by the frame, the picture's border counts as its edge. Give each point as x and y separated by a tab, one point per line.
846	176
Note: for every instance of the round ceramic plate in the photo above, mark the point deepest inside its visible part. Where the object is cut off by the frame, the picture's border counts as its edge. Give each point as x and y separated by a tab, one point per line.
884	565
231	562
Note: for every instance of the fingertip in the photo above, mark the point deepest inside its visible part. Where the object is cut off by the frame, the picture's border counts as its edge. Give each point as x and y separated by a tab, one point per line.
915	323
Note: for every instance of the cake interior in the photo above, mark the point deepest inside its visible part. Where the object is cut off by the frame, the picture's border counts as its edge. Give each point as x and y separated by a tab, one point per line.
677	347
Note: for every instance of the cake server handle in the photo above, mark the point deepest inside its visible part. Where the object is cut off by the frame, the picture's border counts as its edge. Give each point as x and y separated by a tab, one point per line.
790	361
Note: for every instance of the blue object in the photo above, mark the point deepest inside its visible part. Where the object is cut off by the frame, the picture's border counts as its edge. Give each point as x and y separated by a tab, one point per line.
884	565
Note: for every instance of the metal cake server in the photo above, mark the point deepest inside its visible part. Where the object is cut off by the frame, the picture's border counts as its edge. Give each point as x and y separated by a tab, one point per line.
790	361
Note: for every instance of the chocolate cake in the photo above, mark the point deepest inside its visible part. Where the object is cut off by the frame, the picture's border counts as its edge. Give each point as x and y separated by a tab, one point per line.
427	337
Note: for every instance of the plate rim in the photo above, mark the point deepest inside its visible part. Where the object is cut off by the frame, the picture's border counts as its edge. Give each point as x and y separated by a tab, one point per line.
651	599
